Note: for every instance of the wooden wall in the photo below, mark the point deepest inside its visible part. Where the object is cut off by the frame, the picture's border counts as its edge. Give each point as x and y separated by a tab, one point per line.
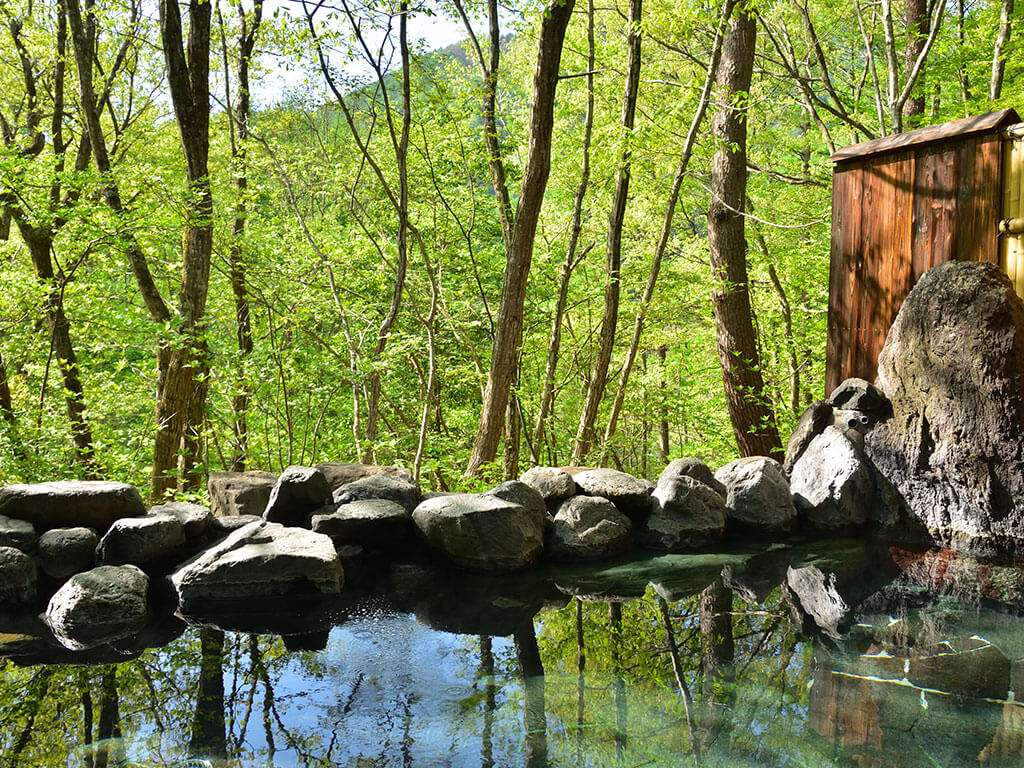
894	216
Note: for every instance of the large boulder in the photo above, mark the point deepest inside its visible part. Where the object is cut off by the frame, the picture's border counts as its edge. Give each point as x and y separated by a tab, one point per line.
64	552
194	518
393	487
758	494
296	495
522	494
66	503
261	559
99	606
685	513
141	541
339	473
17	578
630	494
20	534
481	532
368	523
588	528
832	483
553	484
953	368
240	493
695	468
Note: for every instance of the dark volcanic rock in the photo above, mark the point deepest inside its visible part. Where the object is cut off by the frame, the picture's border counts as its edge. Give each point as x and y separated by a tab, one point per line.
194	518
20	534
66	551
588	528
368	523
397	488
481	532
99	606
339	473
141	540
298	493
68	503
522	494
953	367
240	493
17	578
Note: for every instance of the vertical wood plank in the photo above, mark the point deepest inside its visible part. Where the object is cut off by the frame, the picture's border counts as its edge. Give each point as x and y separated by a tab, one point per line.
845	244
969	201
989	183
943	207
901	275
921	215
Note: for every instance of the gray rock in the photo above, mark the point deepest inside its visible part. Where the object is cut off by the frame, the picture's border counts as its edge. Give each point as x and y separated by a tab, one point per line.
240	493
297	494
832	484
953	367
368	523
522	494
552	483
20	534
685	513
812	423
99	606
630	494
222	526
588	528
819	599
692	467
64	552
396	488
141	541
758	494
68	503
261	559
195	518
859	395
339	473
481	532
17	578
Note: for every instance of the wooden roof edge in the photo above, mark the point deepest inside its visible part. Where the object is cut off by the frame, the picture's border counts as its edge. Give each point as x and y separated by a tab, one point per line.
965	126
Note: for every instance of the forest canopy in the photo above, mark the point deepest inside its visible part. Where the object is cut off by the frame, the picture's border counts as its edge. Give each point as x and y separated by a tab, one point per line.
243	236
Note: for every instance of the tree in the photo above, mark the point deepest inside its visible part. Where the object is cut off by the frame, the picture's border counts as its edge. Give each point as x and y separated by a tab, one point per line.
509	324
753	419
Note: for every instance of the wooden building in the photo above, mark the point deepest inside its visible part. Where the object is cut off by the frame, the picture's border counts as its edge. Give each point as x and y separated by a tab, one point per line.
902	204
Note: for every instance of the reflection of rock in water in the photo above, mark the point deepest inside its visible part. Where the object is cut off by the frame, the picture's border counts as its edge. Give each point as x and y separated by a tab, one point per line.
1007	746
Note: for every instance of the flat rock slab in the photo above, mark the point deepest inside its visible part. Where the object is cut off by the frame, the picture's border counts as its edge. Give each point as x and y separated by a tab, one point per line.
99	606
481	532
370	523
261	559
630	494
68	503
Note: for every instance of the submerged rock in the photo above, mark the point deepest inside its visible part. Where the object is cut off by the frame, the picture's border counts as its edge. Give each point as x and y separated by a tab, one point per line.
99	606
481	532
588	528
66	551
296	495
630	494
758	494
67	503
261	559
953	367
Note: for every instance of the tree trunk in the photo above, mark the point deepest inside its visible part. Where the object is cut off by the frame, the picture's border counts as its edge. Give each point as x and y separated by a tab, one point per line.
917	33
181	400
208	737
995	87
753	420
613	253
509	326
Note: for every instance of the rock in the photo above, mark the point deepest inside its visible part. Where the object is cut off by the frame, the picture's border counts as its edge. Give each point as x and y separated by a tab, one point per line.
855	394
588	528
296	495
17	578
695	468
812	423
630	494
758	494
832	484
222	526
819	599
342	473
141	541
64	552
261	559
685	513
481	532
240	493
396	488
953	367
20	534
68	503
99	606
553	484
368	523
194	518
522	494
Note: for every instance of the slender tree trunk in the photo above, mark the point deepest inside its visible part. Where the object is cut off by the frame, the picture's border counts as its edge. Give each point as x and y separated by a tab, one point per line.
613	257
663	436
995	86
965	80
753	420
509	326
917	33
6	403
